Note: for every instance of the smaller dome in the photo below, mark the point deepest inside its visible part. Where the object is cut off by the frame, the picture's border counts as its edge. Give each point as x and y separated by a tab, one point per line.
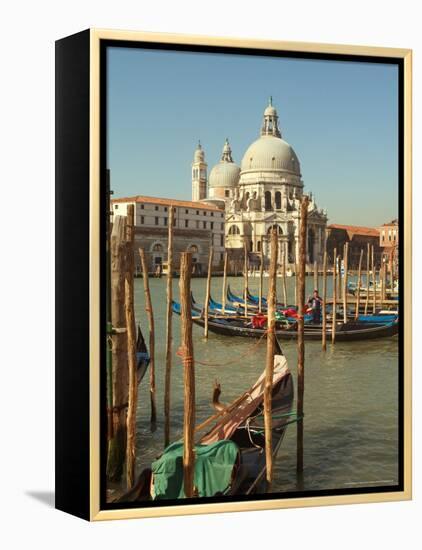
224	174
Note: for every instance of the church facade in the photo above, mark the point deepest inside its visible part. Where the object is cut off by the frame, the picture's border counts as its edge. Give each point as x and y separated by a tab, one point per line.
263	193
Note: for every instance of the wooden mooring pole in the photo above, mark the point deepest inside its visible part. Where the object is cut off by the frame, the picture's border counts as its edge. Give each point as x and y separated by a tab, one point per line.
339	278
188	374
117	443
315	275
368	259
131	344
334	312
374	281
269	368
345	279
150	314
224	291
383	282
208	291
283	273
245	276
300	333
261	278
359	284
169	329
324	299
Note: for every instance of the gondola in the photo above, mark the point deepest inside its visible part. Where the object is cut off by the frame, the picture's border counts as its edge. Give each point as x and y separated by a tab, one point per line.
253	301
230	456
345	332
239	302
216	308
142	355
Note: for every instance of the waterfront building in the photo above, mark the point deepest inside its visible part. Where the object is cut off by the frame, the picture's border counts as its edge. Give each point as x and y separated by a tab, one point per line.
358	238
197	226
389	242
263	193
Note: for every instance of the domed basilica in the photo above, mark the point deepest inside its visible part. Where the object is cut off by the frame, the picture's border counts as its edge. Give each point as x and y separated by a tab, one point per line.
263	193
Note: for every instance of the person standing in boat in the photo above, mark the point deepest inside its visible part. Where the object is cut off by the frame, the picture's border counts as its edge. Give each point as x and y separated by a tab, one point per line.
315	304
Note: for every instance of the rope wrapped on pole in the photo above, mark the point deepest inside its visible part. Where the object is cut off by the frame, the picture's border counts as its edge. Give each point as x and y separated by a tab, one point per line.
188	374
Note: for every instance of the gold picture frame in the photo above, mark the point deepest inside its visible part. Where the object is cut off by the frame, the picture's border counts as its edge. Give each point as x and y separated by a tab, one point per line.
91	508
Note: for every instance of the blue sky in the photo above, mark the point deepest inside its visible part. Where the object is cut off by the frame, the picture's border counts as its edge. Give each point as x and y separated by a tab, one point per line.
341	119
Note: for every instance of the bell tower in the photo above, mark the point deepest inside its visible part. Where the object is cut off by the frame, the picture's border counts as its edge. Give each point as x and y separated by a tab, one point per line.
199	174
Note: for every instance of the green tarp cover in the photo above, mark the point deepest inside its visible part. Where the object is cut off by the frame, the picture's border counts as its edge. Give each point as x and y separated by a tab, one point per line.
213	468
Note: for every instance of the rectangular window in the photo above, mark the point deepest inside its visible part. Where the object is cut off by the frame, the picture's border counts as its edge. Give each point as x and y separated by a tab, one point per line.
227	193
156	208
212	225
205	225
174	222
165	221
142	206
165	209
221	256
156	220
212	214
186	223
186	211
197	224
116	206
197	212
221	240
142	219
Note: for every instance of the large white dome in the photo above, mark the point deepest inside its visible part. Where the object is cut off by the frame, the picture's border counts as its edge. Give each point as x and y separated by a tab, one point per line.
271	153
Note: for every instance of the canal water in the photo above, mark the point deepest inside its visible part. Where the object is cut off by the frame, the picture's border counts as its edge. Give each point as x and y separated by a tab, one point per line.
351	395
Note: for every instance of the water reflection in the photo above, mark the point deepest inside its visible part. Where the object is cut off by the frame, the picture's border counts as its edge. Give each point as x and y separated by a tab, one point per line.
351	396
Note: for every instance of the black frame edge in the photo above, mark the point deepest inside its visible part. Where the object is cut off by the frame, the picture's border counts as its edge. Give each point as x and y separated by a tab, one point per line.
72	471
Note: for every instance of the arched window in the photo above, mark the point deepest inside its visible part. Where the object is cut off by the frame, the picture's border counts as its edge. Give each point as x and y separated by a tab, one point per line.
278	200
157	247
267	196
258	246
277	228
234	230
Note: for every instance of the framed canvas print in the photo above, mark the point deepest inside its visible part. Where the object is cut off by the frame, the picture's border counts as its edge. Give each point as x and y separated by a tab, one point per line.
233	249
